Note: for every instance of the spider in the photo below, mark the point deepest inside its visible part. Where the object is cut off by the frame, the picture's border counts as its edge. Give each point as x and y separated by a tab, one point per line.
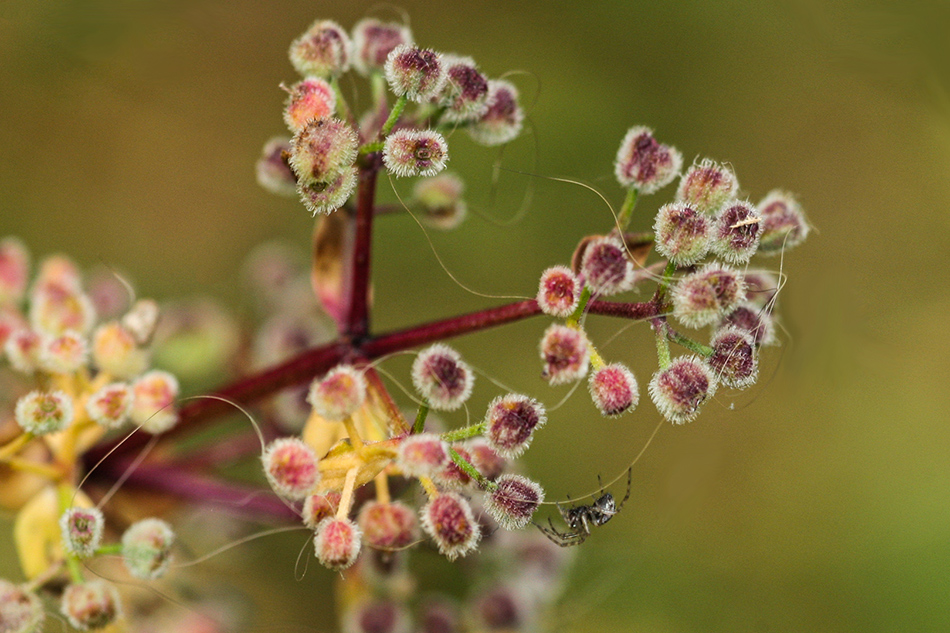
581	518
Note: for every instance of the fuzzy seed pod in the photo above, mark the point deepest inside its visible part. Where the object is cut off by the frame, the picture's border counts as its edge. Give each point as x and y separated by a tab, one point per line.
503	119
42	412
323	51
339	394
703	297
141	320
565	353
707	186
614	390
154	403
606	267
510	423
452	476
423	455
21	611
783	223
273	174
82	531
416	73
682	233
736	232
734	358
90	605
514	501
645	164
484	458
761	287
377	616
442	377
559	291
22	349
312	98
439	615
501	608
440	199
328	197
337	543
55	309
373	41
387	526
321	150
146	548
465	95
64	354
59	273
449	520
14	270
415	153
680	389
111	406
115	351
757	322
290	467
317	507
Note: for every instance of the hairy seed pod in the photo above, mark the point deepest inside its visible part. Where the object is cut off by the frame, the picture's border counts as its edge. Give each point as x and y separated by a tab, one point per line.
682	233
707	186
503	119
679	390
565	354
324	50
514	501
291	467
416	73
614	389
449	520
645	164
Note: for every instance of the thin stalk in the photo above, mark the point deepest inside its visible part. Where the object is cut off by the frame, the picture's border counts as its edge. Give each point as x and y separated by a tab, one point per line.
626	210
357	317
662	346
464	433
420	424
470	470
394	115
688	343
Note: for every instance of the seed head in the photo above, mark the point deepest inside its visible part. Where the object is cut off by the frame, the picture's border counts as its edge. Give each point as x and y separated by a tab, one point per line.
147	547
559	291
14	270
111	406
707	186
565	353
442	377
510	423
323	51
373	41
736	232
449	520
82	530
452	476
783	223
312	98
154	403
141	320
90	605
415	153
734	359
23	350
680	389
484	458
416	73
55	309
756	321
614	389
423	455
440	198
761	287
272	172
291	467
338	394
21	611
64	354
388	525
514	501
42	412
645	164
501	609
328	197
438	616
703	297
465	95
682	233
317	507
503	119
115	351
337	543
606	267
321	150
377	616
58	272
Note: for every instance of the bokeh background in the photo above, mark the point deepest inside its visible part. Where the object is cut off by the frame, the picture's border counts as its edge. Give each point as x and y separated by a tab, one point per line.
817	501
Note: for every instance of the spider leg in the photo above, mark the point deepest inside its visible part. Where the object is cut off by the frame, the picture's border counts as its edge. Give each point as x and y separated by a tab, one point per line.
629	483
565	539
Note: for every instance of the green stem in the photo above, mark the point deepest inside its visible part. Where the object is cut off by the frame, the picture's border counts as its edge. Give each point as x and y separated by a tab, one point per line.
377	83
664	283
420	424
109	550
369	148
662	346
75	570
341	105
394	115
688	343
575	318
626	211
464	433
470	470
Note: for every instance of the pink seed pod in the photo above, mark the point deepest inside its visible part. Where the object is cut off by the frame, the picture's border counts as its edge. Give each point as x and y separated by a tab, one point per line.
321	150
783	223
559	291
465	95
324	50
736	232
452	476
440	199
501	608
682	233
328	197
504	117
90	605
757	322
291	467
373	41
14	270
64	354
377	616
680	389
761	287
58	272
115	351
514	501
416	73
449	520
703	297
10	321
111	406
442	377
154	403
22	348
339	394
423	455
387	526
21	611
109	296
147	548
82	531
337	543
42	412
606	267
565	353
510	423
312	98
734	359
484	458
438	615
141	320
645	164
56	309
317	507
415	153
273	174
707	186
614	389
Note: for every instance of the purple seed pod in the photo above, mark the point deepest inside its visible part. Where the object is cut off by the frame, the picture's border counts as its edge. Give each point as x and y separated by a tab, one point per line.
761	287
442	377
22	349
373	41
415	153
111	406
64	354
452	476
465	94
606	267
682	233
416	73
273	174
510	423
783	223
14	270
614	389
323	51
387	525
291	467
147	548
312	98
484	458
423	455
680	389
327	197
377	616
21	611
565	353
90	605
707	186
337	543
439	615
321	150
758	322
82	531
501	608
559	291
440	198
503	119
339	394
514	501
43	412
449	520
317	507
55	309
645	164
703	297
734	359
736	232
153	405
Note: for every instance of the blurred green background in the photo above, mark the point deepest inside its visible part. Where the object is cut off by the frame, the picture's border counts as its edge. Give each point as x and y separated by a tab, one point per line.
817	501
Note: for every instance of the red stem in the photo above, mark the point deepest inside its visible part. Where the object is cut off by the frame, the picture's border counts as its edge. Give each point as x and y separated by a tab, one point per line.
357	317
